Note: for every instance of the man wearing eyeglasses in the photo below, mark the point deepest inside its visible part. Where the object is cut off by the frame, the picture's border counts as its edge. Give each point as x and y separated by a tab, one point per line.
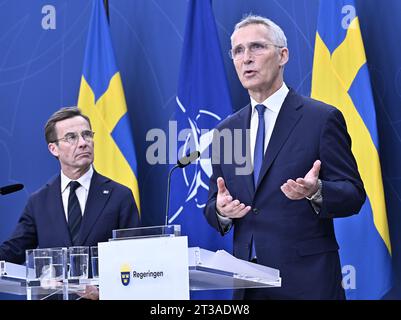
79	207
304	173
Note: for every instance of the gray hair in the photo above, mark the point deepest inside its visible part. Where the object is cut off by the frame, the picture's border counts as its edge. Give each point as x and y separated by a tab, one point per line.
279	37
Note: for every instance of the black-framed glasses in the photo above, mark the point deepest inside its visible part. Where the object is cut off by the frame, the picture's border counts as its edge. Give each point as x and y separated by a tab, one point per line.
255	48
73	137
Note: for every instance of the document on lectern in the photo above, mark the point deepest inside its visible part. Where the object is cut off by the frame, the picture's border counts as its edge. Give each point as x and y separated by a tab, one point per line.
223	261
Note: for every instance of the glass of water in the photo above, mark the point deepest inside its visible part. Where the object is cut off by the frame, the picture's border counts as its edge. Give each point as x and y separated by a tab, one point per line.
42	263
59	263
95	262
46	263
78	262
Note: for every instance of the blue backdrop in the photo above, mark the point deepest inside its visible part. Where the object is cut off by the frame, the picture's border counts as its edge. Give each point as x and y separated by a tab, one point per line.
41	65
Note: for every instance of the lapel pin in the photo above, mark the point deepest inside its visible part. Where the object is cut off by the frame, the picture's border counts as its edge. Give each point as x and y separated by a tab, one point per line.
106	191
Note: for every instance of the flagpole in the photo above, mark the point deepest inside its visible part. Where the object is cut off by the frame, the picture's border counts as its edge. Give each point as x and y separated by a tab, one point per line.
106	8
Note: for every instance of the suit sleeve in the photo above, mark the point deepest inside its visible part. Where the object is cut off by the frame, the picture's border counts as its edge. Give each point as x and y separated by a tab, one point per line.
210	208
24	237
129	214
342	188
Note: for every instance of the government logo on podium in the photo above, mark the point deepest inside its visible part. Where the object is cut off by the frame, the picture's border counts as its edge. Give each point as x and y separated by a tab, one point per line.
125	271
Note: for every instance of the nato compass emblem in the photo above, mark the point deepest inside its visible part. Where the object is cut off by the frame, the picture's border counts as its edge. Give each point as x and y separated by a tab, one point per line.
196	178
125	271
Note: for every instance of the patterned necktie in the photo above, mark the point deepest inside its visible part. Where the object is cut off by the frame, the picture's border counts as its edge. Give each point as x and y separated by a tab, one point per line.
259	144
74	212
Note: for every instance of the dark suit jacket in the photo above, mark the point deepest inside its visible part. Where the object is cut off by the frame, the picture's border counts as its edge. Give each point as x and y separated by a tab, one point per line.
109	206
288	234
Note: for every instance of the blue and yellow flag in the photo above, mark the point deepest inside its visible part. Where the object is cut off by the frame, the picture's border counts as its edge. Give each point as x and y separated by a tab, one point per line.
101	98
341	78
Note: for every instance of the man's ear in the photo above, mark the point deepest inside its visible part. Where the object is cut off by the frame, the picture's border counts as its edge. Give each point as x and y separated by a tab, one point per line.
53	148
284	56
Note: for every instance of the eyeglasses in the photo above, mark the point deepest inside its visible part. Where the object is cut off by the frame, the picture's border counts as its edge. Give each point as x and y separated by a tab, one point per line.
255	48
73	137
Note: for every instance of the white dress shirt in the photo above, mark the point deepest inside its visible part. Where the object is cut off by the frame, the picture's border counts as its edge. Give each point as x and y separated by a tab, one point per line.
81	192
273	105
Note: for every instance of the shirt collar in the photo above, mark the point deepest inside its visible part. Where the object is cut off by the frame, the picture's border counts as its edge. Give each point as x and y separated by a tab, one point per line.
84	180
275	101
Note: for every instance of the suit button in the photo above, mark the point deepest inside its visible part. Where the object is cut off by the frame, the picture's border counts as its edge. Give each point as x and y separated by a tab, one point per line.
255	210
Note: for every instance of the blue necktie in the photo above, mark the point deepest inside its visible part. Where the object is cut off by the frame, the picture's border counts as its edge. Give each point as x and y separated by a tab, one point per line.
259	144
258	159
74	212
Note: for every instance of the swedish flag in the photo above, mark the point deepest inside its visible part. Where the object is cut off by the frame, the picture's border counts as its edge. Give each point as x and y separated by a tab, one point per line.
101	98
341	78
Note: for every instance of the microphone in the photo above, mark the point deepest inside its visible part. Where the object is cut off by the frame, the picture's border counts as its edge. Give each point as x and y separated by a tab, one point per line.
184	161
181	163
11	188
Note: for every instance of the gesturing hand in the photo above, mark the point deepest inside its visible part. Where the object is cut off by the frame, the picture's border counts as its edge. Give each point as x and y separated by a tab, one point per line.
226	205
303	187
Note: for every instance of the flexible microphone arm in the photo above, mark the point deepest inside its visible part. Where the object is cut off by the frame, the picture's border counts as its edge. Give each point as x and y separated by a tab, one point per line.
168	192
181	163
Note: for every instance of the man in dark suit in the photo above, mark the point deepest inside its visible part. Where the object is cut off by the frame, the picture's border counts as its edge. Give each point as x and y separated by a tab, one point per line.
56	215
299	173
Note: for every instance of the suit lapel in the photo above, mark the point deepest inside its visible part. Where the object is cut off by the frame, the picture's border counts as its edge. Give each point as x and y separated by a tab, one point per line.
287	119
99	194
243	122
56	209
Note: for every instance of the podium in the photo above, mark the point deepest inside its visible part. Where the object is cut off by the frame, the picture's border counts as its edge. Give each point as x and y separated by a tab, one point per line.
149	263
156	263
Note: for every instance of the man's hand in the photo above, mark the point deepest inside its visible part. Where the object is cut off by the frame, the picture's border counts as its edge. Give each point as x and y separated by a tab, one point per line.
226	205
91	293
303	187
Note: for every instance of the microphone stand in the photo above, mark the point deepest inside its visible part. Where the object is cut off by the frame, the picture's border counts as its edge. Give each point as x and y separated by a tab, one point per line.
181	163
168	192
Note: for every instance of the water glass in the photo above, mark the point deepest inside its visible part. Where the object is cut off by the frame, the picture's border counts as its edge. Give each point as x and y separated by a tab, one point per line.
94	262
42	263
45	267
59	263
78	262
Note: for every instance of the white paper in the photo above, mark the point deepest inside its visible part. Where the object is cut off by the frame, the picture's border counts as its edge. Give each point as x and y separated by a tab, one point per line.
222	260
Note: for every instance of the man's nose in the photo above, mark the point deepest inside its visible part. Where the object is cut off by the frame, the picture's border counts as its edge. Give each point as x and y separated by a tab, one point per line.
248	55
81	141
